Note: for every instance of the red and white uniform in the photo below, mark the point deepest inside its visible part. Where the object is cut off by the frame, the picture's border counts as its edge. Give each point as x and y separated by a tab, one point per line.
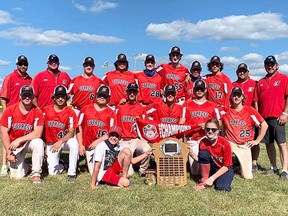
239	126
249	89
174	76
270	94
188	89
95	123
117	83
221	152
11	86
126	115
19	124
162	113
57	123
218	87
197	113
149	88
44	84
84	90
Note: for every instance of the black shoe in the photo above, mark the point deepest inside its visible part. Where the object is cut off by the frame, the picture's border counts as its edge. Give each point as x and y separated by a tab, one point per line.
64	165
254	168
72	178
284	176
270	172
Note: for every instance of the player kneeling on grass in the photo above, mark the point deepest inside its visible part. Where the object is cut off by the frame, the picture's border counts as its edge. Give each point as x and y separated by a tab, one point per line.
21	129
215	159
60	124
110	161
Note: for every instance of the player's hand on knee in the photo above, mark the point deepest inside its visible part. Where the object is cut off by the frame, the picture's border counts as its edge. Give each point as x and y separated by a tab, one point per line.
14	145
11	157
56	146
82	150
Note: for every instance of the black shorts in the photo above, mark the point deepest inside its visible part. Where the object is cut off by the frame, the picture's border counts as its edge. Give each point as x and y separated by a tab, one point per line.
275	132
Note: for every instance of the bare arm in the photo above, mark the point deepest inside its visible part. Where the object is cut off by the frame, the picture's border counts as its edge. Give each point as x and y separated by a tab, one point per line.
79	137
211	179
4	103
141	157
6	143
58	144
95	174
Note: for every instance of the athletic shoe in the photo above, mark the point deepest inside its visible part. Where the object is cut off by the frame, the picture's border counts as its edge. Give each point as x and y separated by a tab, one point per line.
284	176
254	168
36	179
72	178
4	170
62	162
270	172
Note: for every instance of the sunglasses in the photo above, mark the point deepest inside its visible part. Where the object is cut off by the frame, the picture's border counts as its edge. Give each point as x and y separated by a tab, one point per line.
199	89
60	96
170	93
211	129
23	63
102	96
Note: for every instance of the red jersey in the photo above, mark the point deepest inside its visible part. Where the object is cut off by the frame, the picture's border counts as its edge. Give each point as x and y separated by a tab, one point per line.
117	83
221	152
162	113
149	88
44	84
56	124
218	88
126	115
271	93
239	126
197	113
84	90
188	89
95	123
11	86
174	76
19	124
249	89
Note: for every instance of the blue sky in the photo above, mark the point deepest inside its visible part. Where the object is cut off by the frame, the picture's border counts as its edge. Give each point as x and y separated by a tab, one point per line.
237	31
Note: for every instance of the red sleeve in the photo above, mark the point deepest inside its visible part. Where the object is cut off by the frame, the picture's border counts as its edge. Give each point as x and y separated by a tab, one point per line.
39	118
227	158
255	98
4	117
229	88
35	84
5	90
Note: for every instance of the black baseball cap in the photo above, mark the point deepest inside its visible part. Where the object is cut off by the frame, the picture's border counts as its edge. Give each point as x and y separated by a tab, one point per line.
132	86
121	58
26	89
22	59
200	84
89	60
175	49
60	90
215	59
237	90
270	59
242	66
169	88
53	57
103	90
196	65
150	58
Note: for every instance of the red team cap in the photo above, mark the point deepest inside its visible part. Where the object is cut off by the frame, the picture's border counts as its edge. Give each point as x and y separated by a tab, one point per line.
53	57
132	86
150	58
270	59
115	129
196	65
200	84
169	88
89	60
60	90
27	89
175	49
103	90
237	90
21	58
242	66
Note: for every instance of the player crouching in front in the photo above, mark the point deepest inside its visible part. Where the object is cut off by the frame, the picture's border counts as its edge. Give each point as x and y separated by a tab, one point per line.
21	129
215	159
60	124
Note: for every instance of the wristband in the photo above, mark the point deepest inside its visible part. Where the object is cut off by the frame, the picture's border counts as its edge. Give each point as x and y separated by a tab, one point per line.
284	113
212	179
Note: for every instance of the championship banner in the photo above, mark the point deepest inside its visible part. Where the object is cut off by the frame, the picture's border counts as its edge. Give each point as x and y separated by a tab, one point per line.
154	131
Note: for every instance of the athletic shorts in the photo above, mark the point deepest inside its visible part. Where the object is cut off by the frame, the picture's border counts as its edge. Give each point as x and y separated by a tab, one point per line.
112	175
274	132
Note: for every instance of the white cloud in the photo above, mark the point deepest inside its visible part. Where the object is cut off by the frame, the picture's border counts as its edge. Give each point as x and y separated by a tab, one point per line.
4	63
96	7
5	18
229	49
263	26
64	68
29	35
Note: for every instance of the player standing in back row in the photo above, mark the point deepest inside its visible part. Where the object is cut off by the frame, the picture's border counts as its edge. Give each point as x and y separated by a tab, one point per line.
174	73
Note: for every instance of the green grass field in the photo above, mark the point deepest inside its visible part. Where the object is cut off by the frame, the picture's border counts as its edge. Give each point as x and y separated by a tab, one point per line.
260	196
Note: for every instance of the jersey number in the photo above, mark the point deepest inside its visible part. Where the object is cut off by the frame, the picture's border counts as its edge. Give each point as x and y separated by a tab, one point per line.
101	133
245	133
92	96
155	93
61	134
218	94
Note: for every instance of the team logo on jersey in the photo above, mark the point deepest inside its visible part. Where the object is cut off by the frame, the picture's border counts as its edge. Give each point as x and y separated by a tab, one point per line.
237	122
277	83
120	81
150	132
86	88
56	124
214	86
22	126
64	82
168	120
173	77
128	119
97	123
148	85
250	89
199	114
